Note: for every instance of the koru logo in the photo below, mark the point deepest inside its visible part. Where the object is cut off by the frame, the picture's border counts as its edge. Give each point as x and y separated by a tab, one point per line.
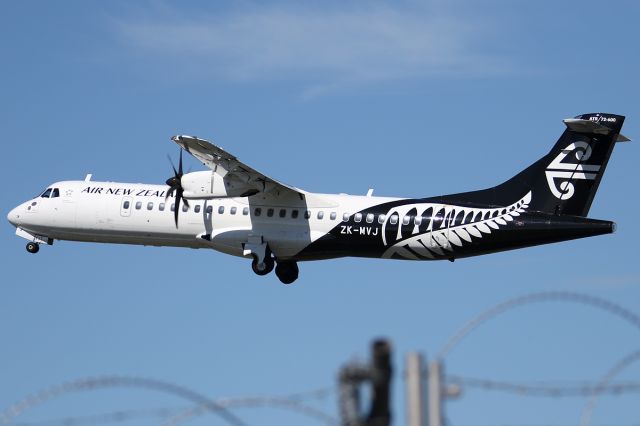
566	172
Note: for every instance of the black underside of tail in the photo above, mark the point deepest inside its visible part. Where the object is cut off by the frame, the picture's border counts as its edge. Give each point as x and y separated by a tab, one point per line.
566	179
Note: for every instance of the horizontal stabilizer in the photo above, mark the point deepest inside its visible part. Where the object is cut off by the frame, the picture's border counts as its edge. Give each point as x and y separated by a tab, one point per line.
580	125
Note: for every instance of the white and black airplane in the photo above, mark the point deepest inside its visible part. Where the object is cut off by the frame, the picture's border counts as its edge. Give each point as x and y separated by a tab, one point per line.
237	210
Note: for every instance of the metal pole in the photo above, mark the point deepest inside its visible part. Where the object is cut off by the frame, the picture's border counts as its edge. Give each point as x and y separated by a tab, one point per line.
381	371
377	373
415	390
349	379
435	393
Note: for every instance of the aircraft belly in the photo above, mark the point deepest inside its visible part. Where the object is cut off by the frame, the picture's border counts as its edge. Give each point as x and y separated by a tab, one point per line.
229	240
126	237
284	240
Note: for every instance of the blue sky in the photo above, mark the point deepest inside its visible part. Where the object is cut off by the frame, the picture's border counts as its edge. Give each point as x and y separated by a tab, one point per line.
410	98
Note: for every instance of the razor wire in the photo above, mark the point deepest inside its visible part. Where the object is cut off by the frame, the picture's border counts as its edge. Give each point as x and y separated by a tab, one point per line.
284	403
546	389
94	383
509	304
292	402
617	368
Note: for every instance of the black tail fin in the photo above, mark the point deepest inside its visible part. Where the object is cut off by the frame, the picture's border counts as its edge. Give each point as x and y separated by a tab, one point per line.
566	179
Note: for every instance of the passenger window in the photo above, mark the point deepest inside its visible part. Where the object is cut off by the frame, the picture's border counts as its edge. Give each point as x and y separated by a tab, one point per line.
393	219
56	193
294	213
173	207
46	193
332	216
417	221
209	209
382	218
270	212
220	209
233	210
161	207
197	208
257	211
283	212
369	218
245	211
126	205
138	205
406	220
358	217
149	206
345	217
320	214
185	208
307	214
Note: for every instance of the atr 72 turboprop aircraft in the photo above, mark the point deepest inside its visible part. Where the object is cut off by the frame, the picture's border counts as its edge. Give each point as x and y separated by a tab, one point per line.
234	209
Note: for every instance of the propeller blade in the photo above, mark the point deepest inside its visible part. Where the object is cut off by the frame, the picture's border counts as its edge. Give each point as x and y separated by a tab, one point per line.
172	166
179	195
175	211
175	187
169	194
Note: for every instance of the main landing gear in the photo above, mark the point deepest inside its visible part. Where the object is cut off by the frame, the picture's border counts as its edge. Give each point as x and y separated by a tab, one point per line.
33	247
264	267
286	271
263	261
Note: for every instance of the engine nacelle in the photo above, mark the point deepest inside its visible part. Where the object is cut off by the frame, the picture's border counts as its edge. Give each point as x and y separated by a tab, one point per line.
207	184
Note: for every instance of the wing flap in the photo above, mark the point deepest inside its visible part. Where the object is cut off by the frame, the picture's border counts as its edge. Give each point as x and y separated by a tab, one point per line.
229	167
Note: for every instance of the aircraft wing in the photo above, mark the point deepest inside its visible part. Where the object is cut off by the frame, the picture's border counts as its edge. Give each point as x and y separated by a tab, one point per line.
228	166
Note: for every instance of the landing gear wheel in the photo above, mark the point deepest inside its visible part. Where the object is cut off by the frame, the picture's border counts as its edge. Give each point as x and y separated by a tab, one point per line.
262	268
287	272
33	247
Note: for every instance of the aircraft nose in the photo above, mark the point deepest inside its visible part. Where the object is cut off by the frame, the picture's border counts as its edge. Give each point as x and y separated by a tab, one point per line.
13	217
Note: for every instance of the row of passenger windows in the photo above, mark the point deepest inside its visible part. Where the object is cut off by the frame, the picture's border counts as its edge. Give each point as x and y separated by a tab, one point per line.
197	209
282	213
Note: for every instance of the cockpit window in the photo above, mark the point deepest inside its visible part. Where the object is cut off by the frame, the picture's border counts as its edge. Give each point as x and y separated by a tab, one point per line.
47	193
55	193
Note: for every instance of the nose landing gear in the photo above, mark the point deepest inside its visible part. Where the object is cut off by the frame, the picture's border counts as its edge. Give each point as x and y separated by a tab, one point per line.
33	247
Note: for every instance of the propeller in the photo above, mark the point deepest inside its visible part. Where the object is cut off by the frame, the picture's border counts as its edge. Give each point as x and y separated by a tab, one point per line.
175	187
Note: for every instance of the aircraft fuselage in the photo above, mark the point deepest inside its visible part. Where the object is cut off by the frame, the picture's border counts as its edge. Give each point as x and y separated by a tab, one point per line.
322	226
237	210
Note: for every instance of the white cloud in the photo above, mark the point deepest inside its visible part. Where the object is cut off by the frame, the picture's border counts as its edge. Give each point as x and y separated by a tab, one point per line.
323	48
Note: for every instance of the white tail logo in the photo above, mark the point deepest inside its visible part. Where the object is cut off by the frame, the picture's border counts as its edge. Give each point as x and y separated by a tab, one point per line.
570	171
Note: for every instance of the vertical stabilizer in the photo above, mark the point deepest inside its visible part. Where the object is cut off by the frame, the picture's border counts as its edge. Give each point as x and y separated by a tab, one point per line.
565	180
